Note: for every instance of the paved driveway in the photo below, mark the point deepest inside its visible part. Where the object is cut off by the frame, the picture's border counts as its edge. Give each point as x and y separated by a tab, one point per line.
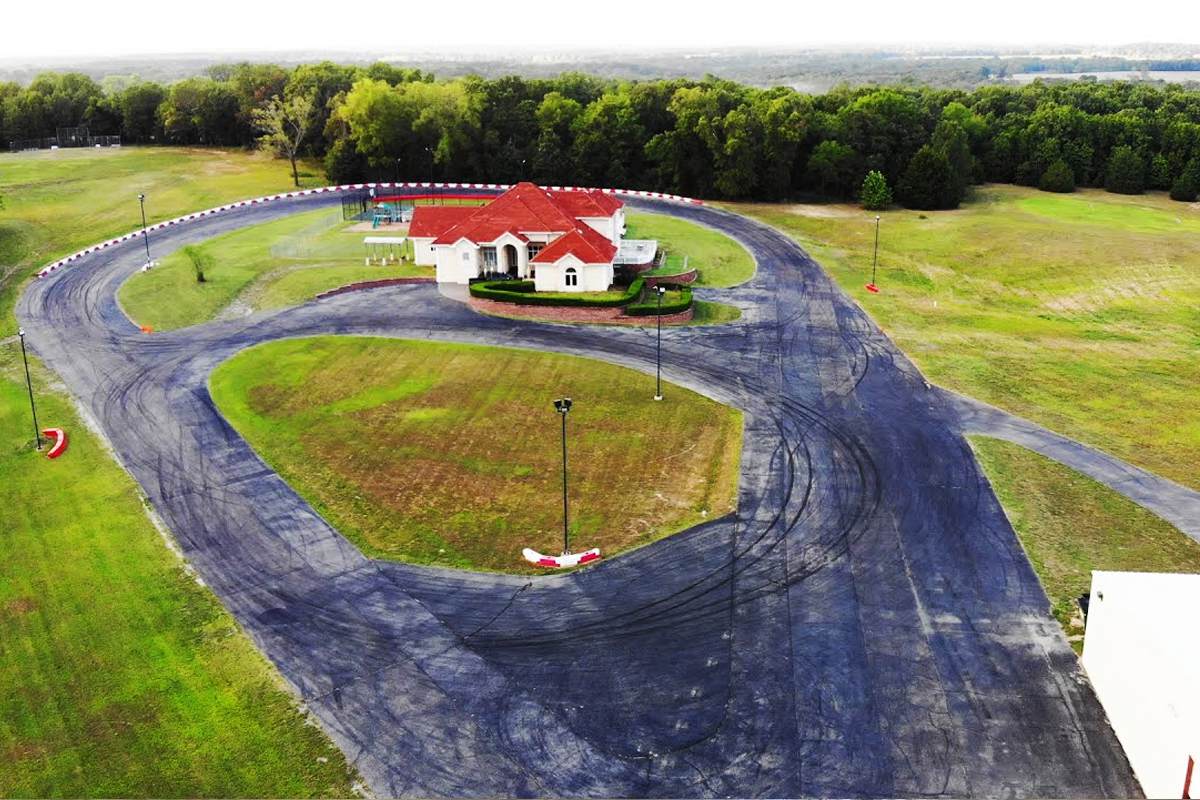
866	625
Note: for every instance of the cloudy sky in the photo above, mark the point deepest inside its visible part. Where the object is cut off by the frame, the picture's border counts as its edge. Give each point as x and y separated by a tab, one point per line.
68	28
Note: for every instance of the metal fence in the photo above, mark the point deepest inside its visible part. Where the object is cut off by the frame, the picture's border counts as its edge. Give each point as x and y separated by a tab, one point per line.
68	137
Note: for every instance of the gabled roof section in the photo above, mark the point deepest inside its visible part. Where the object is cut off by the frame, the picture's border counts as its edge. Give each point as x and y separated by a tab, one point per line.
524	207
586	202
583	242
433	221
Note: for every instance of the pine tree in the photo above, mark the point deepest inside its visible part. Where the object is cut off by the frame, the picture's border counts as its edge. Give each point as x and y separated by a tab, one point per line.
1187	186
928	183
876	195
1126	171
1058	177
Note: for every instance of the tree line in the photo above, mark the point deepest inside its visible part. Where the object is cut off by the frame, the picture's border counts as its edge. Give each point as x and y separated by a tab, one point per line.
713	138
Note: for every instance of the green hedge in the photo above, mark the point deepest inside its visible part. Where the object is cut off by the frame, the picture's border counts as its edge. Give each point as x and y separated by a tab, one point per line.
516	292
649	306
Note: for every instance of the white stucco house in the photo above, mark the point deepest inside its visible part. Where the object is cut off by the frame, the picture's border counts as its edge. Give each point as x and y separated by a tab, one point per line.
564	240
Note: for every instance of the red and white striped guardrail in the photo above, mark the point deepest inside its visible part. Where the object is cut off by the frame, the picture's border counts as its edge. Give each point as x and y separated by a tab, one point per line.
62	262
60	441
565	560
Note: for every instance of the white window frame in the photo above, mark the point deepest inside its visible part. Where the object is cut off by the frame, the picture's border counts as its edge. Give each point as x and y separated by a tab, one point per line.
489	258
571	277
534	248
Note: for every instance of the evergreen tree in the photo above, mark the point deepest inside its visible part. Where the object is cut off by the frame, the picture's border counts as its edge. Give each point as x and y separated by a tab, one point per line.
951	141
1058	177
1160	172
929	182
1126	172
876	195
1187	186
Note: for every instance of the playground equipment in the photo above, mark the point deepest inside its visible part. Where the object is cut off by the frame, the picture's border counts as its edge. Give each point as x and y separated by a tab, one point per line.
384	249
387	214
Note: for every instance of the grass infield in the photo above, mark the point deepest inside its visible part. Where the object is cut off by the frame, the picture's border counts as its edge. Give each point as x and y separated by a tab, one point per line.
270	265
721	261
450	454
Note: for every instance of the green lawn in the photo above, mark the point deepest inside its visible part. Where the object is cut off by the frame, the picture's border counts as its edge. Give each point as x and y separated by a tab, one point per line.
1079	311
403	447
57	202
705	312
721	261
119	674
1070	525
271	265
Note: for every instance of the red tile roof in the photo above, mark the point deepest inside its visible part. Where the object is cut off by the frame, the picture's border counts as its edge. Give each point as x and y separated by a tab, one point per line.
584	242
433	221
526	207
586	202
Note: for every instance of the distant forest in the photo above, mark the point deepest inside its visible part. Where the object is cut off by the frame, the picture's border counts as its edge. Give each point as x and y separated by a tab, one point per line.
706	138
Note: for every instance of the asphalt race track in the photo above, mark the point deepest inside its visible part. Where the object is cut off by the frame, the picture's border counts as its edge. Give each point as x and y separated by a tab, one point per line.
866	625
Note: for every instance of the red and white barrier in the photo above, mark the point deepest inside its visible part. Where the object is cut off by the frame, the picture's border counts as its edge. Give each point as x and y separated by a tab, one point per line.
60	441
557	562
62	262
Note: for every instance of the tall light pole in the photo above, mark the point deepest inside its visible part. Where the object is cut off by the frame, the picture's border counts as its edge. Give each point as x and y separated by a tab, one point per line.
875	261
37	432
398	162
660	291
145	233
563	406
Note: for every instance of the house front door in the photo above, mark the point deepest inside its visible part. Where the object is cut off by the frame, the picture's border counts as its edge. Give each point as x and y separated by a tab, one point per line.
510	260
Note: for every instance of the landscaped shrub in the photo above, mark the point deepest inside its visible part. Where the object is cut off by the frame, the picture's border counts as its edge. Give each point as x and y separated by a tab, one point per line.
502	292
648	306
1058	177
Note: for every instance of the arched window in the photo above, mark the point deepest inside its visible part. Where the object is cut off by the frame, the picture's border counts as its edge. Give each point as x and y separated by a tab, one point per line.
572	277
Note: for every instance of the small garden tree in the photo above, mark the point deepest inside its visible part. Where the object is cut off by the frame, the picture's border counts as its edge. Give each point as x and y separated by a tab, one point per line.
1126	171
876	195
201	260
1058	177
1187	186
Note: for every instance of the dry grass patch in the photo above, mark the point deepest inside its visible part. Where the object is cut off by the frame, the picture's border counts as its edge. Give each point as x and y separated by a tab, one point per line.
450	454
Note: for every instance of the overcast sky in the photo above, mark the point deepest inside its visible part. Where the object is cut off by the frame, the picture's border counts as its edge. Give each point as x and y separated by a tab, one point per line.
67	28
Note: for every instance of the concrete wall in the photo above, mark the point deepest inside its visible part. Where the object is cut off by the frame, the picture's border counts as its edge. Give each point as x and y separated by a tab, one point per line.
423	251
457	263
612	228
592	277
1142	654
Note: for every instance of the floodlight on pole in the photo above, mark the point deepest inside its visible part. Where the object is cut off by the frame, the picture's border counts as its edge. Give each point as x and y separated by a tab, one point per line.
871	287
37	431
658	395
563	406
145	233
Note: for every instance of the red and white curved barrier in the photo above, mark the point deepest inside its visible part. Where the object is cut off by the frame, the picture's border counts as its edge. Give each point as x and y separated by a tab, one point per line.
60	441
566	560
62	262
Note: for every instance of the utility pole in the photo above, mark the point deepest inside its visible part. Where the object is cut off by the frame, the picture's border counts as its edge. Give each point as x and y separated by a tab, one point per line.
658	395
37	431
145	233
563	406
875	261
